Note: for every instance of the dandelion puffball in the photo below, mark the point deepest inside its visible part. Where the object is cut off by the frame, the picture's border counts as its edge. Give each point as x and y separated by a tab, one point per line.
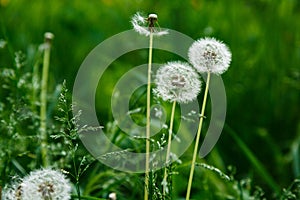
140	25
45	184
12	192
177	81
209	55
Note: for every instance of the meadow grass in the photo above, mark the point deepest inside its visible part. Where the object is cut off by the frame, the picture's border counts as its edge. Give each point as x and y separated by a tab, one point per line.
259	146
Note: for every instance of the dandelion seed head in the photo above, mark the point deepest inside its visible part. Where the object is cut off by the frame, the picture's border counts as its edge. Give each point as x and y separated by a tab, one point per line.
46	184
177	81
154	16
12	192
209	55
140	25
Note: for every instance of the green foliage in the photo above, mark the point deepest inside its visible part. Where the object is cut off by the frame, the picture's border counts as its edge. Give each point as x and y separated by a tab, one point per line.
262	88
19	121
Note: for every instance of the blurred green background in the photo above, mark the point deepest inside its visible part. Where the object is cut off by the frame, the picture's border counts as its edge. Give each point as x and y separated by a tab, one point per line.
262	84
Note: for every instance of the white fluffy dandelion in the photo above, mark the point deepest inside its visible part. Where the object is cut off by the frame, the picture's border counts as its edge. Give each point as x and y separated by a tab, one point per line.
12	192
45	184
177	81
209	55
145	25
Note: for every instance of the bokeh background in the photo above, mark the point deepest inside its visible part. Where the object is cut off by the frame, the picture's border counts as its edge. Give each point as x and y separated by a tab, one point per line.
262	134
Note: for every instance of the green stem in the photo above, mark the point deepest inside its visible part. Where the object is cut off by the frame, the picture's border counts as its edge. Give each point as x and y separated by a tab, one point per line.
188	193
148	119
78	190
169	147
76	175
43	109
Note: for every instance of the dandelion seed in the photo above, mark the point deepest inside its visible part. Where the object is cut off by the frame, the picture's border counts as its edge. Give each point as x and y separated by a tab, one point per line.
46	184
209	55
145	26
177	81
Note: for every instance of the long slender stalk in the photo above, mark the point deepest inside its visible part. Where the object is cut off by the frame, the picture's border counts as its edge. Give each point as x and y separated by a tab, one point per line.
43	109
169	147
148	119
188	193
76	175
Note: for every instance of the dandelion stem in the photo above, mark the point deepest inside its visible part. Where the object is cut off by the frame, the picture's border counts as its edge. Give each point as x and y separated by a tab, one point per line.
148	118
43	109
169	147
197	139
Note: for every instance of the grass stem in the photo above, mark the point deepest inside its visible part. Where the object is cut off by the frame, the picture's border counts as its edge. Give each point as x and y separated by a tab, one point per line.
188	193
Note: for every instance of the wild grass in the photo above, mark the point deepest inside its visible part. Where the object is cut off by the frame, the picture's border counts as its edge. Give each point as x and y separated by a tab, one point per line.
257	156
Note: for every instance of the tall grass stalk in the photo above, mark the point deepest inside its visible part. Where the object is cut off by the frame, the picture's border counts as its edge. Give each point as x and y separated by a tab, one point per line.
43	109
148	118
188	193
169	147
